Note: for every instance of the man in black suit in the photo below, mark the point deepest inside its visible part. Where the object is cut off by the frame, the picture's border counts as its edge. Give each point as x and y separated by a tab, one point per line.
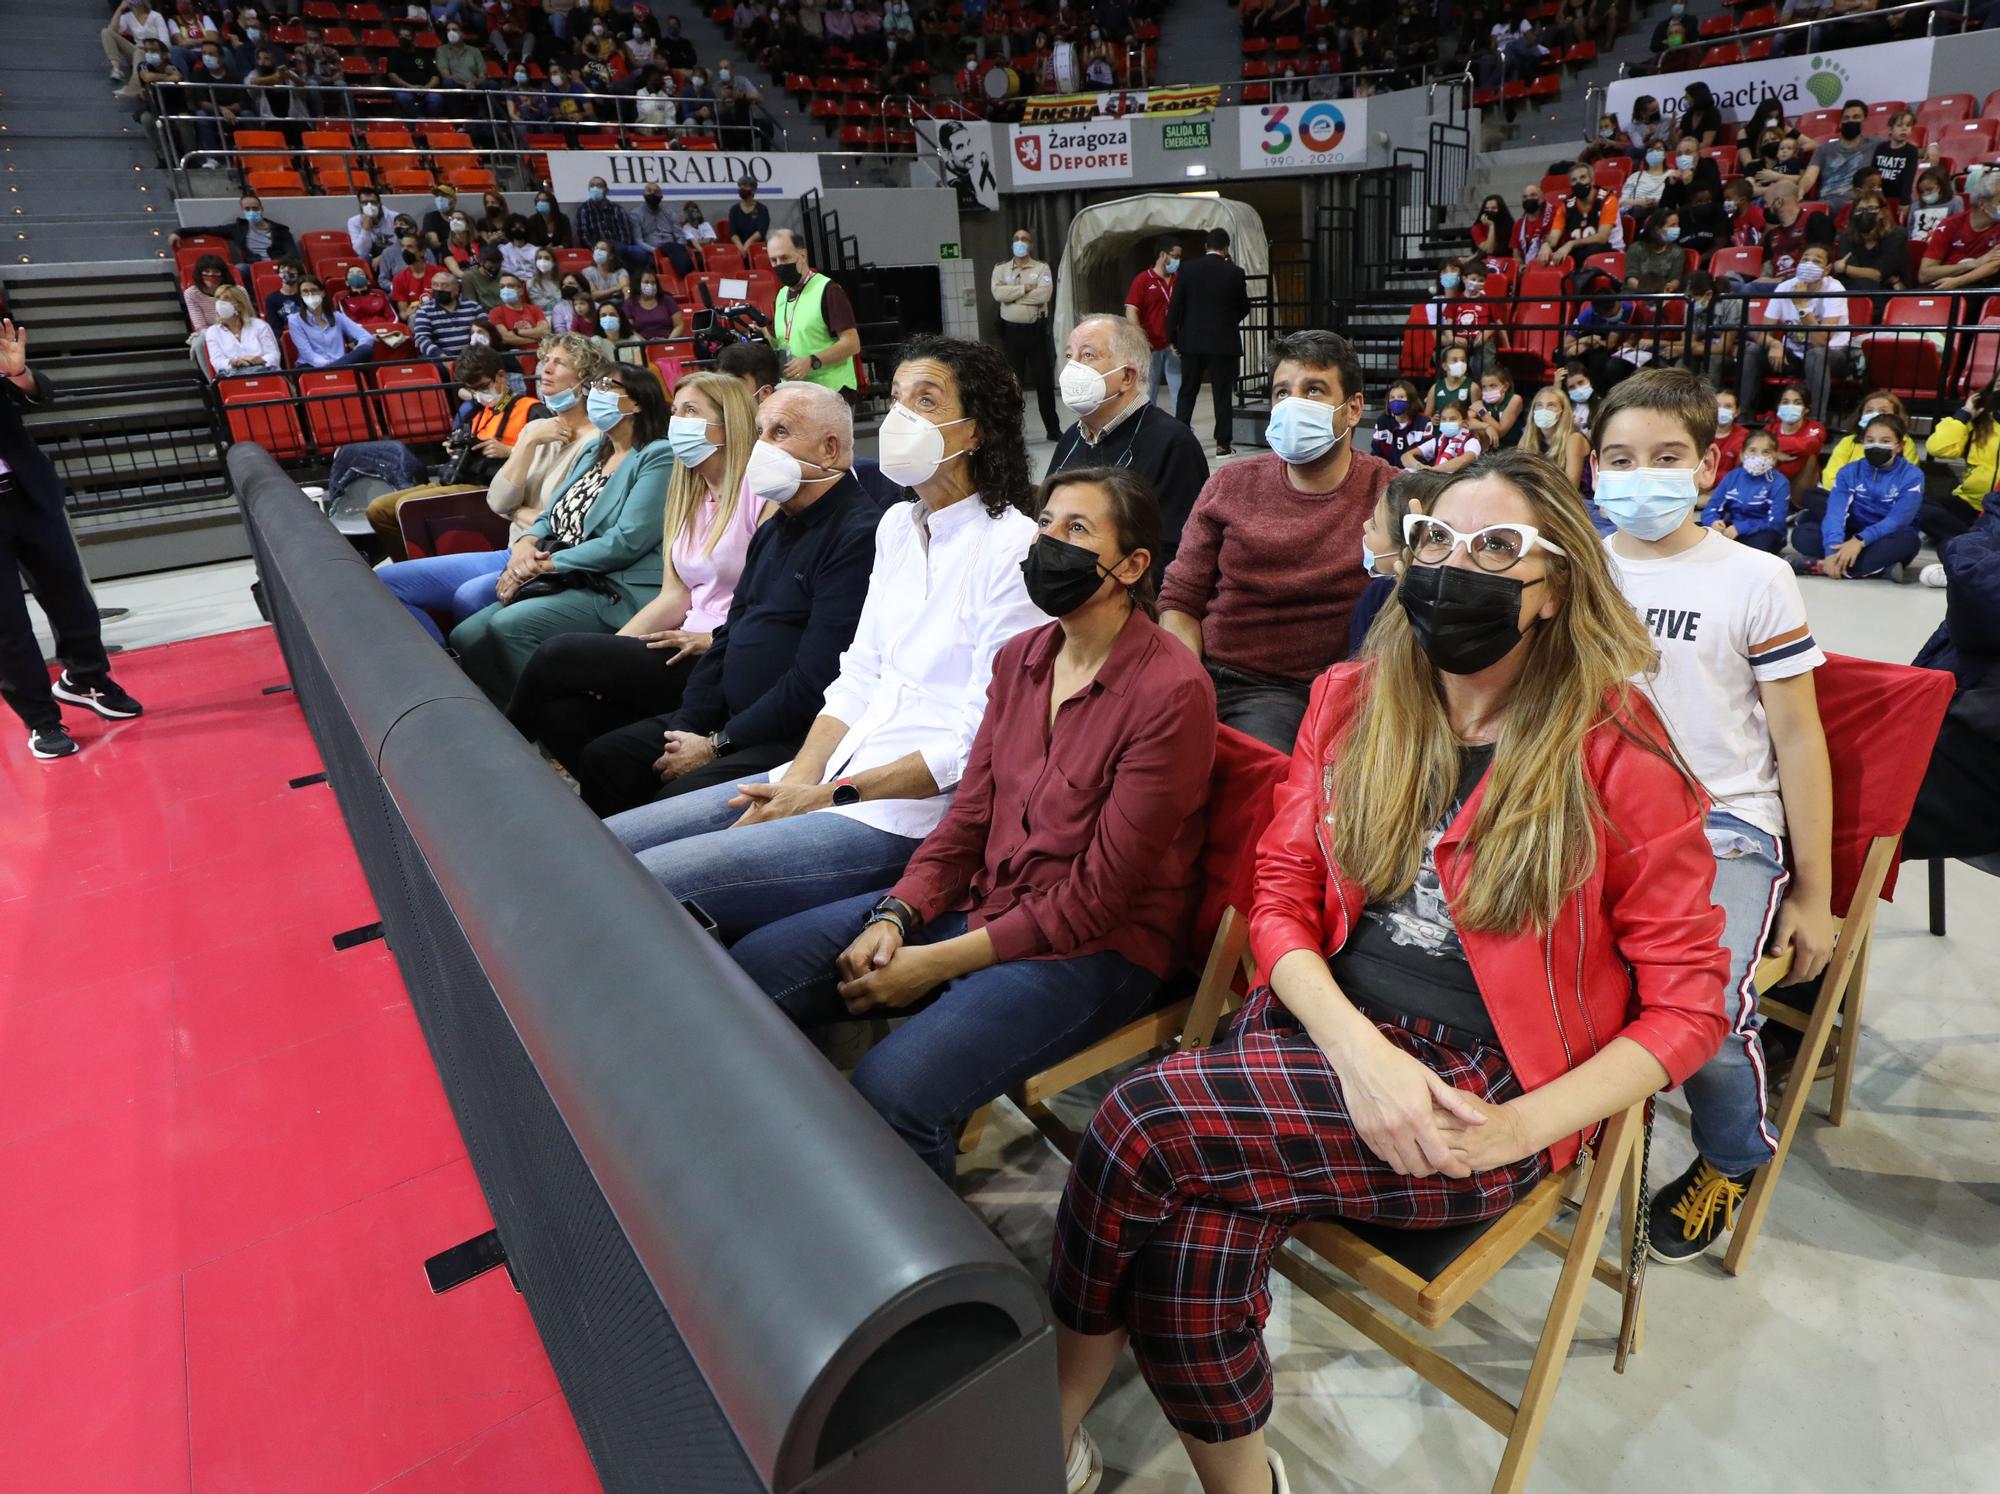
35	539
1205	326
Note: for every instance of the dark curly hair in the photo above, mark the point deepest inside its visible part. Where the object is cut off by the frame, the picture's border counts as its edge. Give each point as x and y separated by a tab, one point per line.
989	393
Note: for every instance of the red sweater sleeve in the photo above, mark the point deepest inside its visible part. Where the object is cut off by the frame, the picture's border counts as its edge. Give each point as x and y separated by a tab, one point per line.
1658	874
1189	584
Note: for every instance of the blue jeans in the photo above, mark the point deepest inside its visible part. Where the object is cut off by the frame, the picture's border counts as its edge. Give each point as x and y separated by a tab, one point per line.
459	585
970	1041
1726	1095
1166	366
749	877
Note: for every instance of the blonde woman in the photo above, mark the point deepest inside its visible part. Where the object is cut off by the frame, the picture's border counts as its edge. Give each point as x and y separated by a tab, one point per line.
581	689
1550	431
240	341
1482	799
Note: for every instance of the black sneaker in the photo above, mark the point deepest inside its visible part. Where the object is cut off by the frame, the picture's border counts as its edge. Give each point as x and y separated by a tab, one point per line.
52	741
1690	1213
105	698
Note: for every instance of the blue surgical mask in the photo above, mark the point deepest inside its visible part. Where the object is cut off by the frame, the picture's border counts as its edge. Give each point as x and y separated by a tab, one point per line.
1648	503
1448	428
557	403
1020	249
688	436
441	203
597	194
253	215
1671	233
1368	559
1301	430
1656	158
1449	280
545	208
1173	265
602	407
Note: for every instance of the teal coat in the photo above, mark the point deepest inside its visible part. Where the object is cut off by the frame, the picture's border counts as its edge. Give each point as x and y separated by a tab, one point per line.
622	532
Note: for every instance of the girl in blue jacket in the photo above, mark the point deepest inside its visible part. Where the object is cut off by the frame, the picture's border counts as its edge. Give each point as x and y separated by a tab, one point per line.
1871	514
1754	499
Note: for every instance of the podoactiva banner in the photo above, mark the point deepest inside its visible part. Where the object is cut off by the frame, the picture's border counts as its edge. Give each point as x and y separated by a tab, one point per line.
1812	80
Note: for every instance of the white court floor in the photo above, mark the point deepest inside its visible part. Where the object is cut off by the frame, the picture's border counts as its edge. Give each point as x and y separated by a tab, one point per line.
1861	1351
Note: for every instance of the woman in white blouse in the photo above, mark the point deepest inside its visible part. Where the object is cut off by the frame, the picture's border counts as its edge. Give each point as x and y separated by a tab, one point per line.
240	342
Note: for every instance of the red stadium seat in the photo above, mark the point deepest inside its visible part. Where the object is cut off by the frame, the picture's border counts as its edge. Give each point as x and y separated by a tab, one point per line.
1728	54
724	259
341	417
262	408
1715	26
1757	18
263	280
1611	172
1537	333
1820	124
1758	50
1947	107
1984	355
1910	364
1542	282
1611	261
1968	138
572	261
416	416
1747	262
1992	109
324	244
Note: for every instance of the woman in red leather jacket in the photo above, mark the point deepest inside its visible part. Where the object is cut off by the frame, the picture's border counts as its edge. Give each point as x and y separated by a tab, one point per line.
1483	910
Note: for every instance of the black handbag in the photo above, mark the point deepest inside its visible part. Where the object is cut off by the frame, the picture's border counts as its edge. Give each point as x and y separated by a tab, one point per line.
557	582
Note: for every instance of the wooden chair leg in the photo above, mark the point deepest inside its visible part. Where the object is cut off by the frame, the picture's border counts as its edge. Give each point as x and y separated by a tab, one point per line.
1628	1230
1850	1033
1798	1087
1607	1173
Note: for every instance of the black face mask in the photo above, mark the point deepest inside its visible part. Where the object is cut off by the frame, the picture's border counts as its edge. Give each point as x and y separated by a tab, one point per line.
444	297
1060	577
1879	456
1531	204
1864	222
1579	190
1850	130
1464	620
788	276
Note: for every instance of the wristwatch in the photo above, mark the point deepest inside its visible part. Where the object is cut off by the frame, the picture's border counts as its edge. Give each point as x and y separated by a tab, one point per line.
893	910
814	360
845	793
719	743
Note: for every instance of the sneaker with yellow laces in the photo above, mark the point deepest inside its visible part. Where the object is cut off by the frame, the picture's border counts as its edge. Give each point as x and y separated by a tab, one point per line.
1690	1213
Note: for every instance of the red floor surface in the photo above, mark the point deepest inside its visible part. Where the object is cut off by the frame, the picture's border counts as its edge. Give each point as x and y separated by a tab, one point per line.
224	1152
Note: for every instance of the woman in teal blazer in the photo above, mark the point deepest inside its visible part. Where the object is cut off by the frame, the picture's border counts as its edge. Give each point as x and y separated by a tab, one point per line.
605	527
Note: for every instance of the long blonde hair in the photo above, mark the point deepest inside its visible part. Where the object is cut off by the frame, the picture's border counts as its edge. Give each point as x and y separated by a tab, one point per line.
1553	442
686	493
1397	767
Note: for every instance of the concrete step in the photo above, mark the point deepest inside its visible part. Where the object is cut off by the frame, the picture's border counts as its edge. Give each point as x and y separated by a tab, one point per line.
170	409
89	291
136	330
92	469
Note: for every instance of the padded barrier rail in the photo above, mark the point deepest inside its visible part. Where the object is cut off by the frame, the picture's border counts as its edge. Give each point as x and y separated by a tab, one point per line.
744	1280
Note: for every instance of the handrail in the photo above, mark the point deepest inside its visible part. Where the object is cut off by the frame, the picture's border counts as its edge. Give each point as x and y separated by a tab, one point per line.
1934	7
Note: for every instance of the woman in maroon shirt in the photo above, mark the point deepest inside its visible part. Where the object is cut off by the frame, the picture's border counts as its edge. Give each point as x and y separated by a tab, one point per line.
1044	910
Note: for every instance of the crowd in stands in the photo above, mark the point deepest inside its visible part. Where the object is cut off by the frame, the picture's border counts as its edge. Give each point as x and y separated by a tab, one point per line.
1770	259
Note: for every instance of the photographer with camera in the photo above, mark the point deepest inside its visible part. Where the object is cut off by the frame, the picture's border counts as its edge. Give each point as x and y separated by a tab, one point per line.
490	421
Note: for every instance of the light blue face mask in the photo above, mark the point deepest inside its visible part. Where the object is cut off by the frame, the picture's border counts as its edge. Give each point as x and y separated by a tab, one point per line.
1368	559
1449	280
1648	503
597	194
1671	233
557	403
253	215
602	407
441	203
1301	430
1447	428
1020	249
688	436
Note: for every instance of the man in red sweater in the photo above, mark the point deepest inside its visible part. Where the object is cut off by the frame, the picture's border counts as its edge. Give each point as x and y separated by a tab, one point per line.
1269	565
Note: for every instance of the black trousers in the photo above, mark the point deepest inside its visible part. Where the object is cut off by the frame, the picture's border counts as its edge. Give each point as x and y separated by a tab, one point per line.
1221	376
1958	808
35	538
616	772
1945	518
578	686
1030	355
1260	705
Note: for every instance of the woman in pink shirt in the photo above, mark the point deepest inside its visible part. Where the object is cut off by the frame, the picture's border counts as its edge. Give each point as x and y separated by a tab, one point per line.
578	686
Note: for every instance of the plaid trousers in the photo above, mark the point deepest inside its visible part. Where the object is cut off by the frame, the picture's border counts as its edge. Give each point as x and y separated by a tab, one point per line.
1196	1168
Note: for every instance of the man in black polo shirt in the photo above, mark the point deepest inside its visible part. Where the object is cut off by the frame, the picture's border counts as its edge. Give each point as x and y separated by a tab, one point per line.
1103	382
751	700
35	538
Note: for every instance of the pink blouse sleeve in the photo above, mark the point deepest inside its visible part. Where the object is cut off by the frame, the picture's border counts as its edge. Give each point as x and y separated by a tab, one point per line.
713	587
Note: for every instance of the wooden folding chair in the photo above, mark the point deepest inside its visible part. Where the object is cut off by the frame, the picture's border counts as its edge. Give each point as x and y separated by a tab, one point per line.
1881	722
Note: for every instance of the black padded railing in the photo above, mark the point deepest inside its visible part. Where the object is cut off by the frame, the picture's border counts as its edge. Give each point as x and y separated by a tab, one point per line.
745	1282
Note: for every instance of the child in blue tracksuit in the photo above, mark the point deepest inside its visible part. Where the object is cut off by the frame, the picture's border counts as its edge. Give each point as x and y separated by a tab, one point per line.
1754	499
1871	514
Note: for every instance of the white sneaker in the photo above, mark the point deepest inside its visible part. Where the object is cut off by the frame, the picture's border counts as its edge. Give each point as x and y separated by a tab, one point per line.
1279	1483
1932	575
1086	1464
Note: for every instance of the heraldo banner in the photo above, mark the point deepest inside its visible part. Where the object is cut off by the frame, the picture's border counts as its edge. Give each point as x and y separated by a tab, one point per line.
1098	150
706	176
1303	137
1814	80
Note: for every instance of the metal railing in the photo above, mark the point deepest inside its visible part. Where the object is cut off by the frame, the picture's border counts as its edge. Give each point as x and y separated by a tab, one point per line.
1930	365
1810	34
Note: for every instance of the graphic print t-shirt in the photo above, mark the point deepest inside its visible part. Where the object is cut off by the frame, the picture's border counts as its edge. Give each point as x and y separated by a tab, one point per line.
1726	618
1403	955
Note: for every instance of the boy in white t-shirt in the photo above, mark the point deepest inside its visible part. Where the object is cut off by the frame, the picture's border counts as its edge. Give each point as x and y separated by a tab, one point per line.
1735	687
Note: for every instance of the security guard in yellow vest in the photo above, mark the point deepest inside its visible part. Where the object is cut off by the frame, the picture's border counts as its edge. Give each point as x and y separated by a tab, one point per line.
813	325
